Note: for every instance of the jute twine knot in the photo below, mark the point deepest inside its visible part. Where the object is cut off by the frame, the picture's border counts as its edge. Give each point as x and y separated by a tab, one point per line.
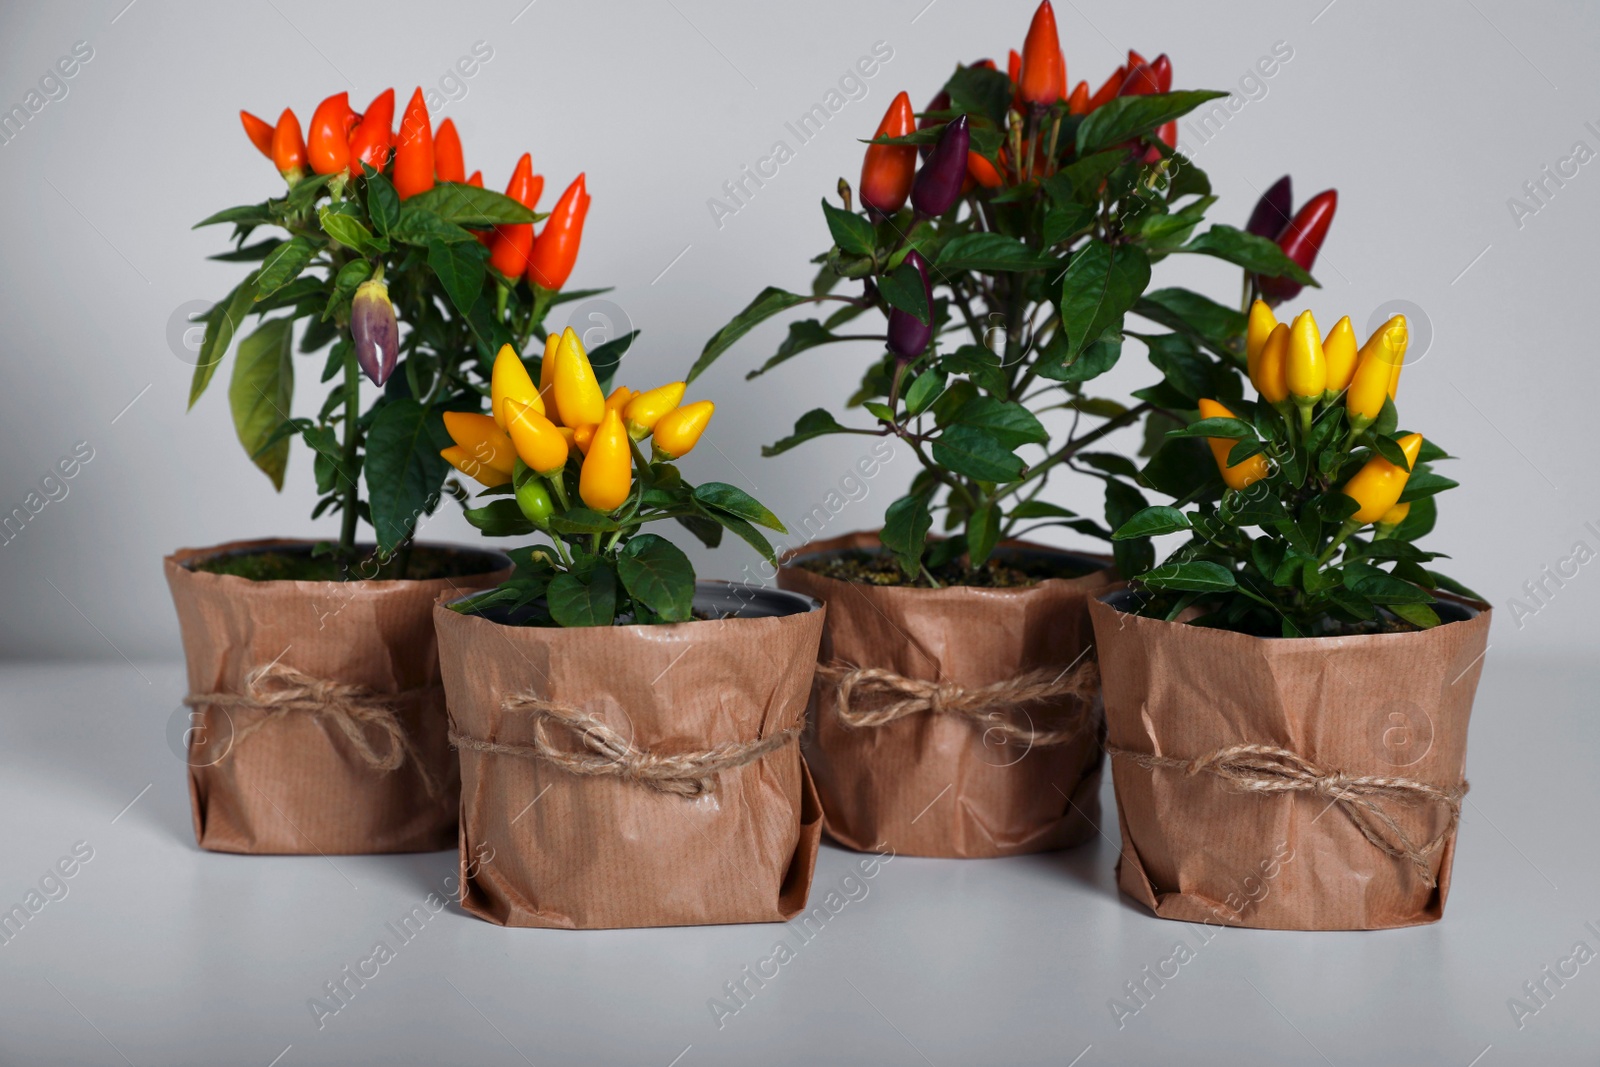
606	753
894	696
358	712
1269	769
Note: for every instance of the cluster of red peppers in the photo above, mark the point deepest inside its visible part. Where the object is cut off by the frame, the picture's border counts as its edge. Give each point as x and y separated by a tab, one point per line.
340	140
951	169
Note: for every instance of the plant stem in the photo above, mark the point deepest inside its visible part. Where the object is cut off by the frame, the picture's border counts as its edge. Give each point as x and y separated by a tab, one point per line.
352	486
1350	527
1071	448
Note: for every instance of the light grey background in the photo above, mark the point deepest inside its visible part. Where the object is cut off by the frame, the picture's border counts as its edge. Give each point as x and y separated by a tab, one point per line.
1427	117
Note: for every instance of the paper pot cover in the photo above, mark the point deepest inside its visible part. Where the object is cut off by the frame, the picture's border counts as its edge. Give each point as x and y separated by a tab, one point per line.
937	784
1200	848
296	784
542	846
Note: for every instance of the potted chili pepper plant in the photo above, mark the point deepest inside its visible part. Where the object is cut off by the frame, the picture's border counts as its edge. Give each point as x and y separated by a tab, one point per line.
1288	693
629	736
317	717
955	712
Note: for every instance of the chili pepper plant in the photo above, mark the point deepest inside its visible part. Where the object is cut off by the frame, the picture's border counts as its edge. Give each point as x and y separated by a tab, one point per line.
1308	524
1006	266
571	458
376	229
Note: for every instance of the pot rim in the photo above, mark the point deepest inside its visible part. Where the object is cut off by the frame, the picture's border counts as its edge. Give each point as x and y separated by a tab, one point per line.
804	604
1472	608
1096	565
183	559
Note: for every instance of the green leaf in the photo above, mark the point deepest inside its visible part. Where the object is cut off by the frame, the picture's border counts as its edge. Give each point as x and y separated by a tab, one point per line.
978	89
261	393
851	232
1093	361
1423	483
1009	422
814	423
657	574
905	531
1197	317
1195	576
1039	509
924	390
421	227
461	269
1449	584
1249	507
467	205
1152	522
575	602
383	203
769	303
990	252
1079	182
1379	587
404	469
249	253
807	333
1100	284
1416	614
244	215
720	496
903	289
606	358
1128	116
1220	426
1063	221
745	531
975	453
1390	449
983	531
500	518
1255	254
349	232
221	322
1419	520
582	521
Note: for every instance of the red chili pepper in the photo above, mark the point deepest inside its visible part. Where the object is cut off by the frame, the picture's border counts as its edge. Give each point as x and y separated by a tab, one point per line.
1140	81
983	172
1272	211
372	140
1078	102
328	144
508	252
485	237
288	147
413	155
448	165
259	131
1043	79
1301	240
1163	71
556	250
1014	67
984	64
1136	60
887	169
1108	89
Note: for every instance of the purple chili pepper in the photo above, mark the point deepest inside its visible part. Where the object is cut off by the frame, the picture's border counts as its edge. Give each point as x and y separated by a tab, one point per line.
373	329
908	337
938	183
1272	210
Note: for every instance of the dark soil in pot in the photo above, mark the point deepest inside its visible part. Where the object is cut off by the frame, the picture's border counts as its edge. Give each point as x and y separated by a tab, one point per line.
1008	568
299	563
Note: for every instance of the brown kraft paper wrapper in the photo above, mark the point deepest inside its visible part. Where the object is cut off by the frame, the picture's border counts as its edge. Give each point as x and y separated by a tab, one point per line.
296	785
544	847
940	785
1196	849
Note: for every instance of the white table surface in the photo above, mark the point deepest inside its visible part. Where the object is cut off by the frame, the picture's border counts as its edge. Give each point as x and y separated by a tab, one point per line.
161	954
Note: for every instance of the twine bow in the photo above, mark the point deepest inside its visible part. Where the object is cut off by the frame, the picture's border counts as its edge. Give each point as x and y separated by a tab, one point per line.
1269	769
607	754
913	696
357	711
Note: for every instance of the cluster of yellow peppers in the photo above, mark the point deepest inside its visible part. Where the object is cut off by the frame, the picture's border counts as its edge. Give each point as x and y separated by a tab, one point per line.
1295	368
542	424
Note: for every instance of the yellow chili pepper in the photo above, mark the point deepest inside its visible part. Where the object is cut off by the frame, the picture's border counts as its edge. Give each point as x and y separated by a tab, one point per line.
607	474
1306	370
1269	370
547	378
646	409
581	436
510	380
462	461
1377	485
483	439
1391	521
1262	323
1241	474
677	431
1377	373
539	444
578	395
619	397
1339	348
